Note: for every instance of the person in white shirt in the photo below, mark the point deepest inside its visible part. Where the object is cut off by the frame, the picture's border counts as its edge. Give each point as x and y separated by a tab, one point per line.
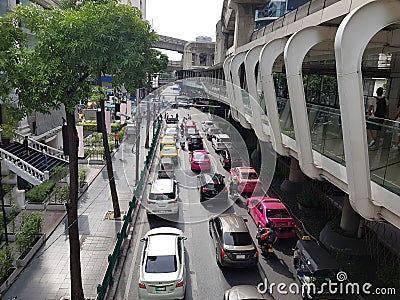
378	111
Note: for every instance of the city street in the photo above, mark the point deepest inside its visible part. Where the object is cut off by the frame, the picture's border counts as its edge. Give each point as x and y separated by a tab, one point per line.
205	280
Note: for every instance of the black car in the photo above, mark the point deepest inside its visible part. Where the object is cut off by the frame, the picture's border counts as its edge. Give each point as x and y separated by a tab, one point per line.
233	245
211	131
195	142
211	186
230	158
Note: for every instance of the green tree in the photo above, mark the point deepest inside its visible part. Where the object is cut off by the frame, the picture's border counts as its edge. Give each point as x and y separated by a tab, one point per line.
75	45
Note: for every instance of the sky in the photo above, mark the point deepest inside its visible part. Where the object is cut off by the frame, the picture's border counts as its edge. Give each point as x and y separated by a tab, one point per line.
184	19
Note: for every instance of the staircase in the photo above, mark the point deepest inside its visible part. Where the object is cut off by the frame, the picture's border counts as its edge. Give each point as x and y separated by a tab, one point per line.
32	166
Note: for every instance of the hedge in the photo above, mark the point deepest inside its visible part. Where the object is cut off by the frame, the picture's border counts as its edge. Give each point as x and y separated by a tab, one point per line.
40	192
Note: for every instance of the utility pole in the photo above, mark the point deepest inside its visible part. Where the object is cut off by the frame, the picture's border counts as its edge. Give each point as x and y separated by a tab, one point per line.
137	134
2	197
148	125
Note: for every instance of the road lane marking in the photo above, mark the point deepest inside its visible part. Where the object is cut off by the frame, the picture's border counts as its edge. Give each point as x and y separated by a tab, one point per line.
194	281
135	251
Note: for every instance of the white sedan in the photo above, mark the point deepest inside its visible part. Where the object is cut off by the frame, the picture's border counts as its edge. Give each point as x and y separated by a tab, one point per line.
162	264
207	124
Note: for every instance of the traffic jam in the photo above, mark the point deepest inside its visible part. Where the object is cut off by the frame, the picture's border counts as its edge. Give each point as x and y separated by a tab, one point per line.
197	164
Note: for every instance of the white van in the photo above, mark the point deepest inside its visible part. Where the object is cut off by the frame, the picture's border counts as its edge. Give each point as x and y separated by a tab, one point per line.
221	141
163	197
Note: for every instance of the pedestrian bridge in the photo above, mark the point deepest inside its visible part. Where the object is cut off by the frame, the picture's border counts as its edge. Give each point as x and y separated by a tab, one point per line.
170	43
274	84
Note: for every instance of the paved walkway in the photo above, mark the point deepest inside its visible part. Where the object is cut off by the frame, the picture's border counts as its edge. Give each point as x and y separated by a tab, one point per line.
47	276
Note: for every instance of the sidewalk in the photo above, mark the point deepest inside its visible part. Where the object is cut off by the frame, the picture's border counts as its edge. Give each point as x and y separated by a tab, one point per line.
47	276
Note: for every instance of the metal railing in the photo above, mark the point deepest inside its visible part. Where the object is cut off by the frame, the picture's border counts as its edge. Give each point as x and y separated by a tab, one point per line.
39	146
122	235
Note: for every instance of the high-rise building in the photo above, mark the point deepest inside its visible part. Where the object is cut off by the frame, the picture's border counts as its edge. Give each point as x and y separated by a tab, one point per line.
141	4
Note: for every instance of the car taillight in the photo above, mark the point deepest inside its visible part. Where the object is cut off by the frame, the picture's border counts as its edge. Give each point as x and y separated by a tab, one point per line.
204	190
189	142
142	285
226	160
180	283
173	201
222	253
256	254
150	202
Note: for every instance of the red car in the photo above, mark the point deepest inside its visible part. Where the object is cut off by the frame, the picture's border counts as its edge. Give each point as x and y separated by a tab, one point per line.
199	161
264	208
248	181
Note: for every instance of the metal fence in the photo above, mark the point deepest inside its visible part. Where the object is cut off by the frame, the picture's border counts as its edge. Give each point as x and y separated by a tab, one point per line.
122	235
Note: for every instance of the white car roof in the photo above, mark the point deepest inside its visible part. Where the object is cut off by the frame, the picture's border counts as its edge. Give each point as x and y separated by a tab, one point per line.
222	135
162	244
162	186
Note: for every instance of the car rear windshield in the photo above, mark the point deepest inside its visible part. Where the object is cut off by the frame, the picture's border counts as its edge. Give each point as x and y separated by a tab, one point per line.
237	239
166	196
224	140
247	175
191	130
278	213
169	140
200	156
169	151
213	130
161	264
196	140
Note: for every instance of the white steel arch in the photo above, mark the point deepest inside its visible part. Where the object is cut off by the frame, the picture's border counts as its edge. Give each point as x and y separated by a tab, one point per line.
229	87
298	45
236	62
250	62
268	55
349	51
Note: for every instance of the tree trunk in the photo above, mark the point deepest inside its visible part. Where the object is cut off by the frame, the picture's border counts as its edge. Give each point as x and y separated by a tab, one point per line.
110	172
72	212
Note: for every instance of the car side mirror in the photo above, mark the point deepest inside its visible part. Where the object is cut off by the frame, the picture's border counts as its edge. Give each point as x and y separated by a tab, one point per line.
183	238
244	219
143	239
149	183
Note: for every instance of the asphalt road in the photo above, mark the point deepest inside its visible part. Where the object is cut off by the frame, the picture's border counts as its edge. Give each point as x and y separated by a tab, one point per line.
205	280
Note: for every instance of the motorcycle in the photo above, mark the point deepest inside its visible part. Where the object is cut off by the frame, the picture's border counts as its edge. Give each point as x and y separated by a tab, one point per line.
266	246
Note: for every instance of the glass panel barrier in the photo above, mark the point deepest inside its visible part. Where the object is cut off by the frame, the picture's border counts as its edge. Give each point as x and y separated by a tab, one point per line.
246	103
384	156
326	131
285	116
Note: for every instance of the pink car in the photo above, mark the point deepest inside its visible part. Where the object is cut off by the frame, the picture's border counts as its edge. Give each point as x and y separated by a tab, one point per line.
264	208
200	161
248	181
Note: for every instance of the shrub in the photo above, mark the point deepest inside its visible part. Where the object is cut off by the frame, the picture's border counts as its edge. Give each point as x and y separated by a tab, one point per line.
40	192
31	226
59	173
60	194
6	260
82	176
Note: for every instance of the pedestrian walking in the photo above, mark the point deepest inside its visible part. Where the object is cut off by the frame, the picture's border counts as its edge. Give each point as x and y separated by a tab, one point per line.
45	159
377	113
116	140
26	145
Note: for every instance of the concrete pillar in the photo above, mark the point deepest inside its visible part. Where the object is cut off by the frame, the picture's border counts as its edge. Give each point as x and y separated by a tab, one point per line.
23	127
296	180
244	23
20	198
220	43
393	91
350	220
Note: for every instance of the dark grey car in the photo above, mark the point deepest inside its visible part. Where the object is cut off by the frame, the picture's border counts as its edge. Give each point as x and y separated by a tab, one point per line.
232	242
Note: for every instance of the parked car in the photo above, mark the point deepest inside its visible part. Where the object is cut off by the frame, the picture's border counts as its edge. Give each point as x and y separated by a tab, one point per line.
184	104
173	131
232	242
163	197
172	120
248	180
211	132
162	271
199	161
221	141
207	124
242	292
170	151
167	140
265	209
212	186
230	158
195	142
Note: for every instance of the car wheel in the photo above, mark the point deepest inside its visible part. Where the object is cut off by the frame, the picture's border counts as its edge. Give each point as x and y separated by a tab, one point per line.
201	197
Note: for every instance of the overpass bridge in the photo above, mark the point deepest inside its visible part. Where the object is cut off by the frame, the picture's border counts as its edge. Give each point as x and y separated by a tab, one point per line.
322	129
170	43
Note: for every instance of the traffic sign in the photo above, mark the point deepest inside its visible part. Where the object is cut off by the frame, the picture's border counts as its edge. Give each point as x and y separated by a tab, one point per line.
176	89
